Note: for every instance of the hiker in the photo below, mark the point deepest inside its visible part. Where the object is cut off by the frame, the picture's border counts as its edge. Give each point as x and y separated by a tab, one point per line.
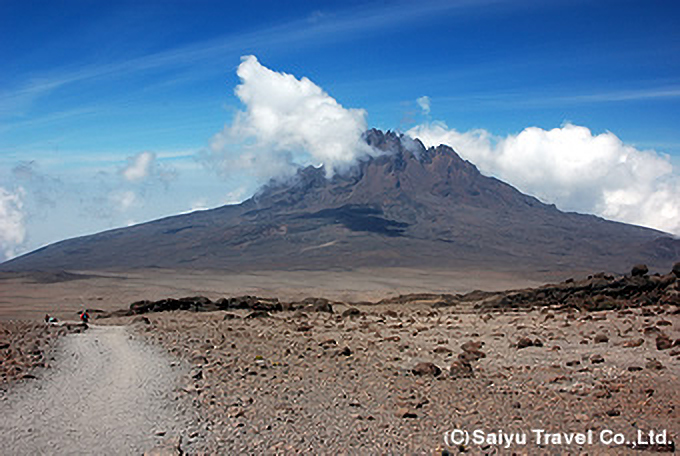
84	316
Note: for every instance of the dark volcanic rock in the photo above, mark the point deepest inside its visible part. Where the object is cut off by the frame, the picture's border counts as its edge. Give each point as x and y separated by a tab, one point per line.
596	293
639	270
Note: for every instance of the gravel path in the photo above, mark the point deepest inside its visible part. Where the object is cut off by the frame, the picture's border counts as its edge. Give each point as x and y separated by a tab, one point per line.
107	393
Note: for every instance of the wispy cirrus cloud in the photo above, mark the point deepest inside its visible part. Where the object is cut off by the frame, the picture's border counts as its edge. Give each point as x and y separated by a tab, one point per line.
545	99
345	25
663	92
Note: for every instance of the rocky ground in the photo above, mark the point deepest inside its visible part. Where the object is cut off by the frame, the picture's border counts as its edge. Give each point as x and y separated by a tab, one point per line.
413	374
396	376
25	347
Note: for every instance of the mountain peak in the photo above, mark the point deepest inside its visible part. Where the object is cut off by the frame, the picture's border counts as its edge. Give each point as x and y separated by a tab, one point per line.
401	169
407	206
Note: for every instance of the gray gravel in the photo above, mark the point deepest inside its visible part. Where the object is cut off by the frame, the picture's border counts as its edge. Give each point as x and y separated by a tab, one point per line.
107	393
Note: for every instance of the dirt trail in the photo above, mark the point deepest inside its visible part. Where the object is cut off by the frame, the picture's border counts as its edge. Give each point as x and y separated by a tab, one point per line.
107	393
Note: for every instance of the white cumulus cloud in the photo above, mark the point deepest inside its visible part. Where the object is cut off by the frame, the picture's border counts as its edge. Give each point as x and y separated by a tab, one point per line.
424	103
575	169
145	166
139	167
12	222
289	122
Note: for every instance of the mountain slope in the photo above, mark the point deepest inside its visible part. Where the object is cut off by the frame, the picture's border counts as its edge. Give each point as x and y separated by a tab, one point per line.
410	206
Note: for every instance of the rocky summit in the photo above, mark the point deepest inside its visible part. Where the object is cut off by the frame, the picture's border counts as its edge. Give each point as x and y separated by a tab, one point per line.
407	206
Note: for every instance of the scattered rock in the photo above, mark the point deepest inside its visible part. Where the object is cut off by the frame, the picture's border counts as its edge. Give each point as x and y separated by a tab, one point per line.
601	393
525	342
344	352
471	351
426	369
663	342
654	364
351	312
634	343
471	357
472	346
258	314
315	305
601	339
597	359
404	412
199	359
196	374
327	343
460	369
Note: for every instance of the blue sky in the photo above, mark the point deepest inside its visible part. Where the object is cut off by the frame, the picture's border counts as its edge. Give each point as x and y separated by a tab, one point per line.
88	86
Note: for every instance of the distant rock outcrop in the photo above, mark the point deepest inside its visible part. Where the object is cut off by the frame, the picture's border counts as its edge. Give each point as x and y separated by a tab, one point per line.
597	292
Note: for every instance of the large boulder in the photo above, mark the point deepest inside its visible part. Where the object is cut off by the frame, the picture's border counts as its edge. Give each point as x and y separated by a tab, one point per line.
639	270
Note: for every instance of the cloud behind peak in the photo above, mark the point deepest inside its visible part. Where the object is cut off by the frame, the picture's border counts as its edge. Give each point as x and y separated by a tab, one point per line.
288	122
575	169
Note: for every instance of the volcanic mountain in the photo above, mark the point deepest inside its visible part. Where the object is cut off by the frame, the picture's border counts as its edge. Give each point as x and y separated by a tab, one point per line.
408	206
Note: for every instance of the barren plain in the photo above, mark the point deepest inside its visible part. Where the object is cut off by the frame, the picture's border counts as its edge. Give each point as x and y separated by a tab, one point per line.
597	358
